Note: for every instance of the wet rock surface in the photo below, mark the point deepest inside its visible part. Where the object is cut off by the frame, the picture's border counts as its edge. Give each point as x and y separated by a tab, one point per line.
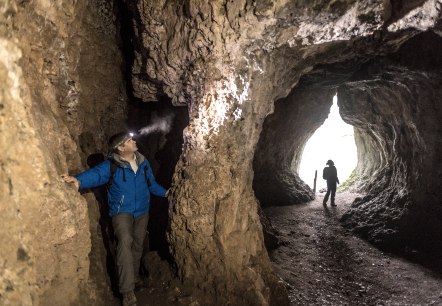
322	263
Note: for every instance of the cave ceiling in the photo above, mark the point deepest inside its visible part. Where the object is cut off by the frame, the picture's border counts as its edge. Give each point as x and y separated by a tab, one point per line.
187	45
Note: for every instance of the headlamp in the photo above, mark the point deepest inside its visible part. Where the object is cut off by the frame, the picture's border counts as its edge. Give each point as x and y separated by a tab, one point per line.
125	138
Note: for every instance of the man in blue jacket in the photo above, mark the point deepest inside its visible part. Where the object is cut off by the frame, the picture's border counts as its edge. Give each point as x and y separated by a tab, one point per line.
130	182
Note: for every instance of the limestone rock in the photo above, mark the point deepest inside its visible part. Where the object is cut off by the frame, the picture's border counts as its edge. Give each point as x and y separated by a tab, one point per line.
60	78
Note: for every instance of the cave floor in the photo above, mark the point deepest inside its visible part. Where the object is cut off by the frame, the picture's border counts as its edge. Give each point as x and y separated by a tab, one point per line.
322	263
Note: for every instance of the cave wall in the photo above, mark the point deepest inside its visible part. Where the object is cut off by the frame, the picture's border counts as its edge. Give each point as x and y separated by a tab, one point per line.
229	61
395	105
281	143
215	212
392	101
61	94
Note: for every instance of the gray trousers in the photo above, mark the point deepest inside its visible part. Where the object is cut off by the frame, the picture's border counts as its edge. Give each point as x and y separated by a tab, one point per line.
129	233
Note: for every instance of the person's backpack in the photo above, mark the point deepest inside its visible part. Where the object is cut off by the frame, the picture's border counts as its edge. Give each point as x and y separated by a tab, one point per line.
113	168
325	173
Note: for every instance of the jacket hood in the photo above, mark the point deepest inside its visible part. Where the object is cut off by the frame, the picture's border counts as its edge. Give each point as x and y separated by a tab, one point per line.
122	163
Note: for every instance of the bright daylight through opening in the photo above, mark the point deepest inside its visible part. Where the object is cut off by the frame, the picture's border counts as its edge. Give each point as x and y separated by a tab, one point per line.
333	140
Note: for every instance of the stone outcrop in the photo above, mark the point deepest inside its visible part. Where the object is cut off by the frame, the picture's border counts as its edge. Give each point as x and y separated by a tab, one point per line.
61	95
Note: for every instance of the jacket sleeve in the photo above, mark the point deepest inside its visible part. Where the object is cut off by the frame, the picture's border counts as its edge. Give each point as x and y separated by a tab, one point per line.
96	176
154	187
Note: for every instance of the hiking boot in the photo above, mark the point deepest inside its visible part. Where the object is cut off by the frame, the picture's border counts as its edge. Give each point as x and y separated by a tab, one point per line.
140	286
333	204
129	299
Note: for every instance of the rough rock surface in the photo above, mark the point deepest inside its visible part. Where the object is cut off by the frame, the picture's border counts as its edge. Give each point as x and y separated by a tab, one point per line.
394	103
229	61
280	146
60	76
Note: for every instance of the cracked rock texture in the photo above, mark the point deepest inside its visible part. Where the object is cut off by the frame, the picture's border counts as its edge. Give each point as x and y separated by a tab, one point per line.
61	94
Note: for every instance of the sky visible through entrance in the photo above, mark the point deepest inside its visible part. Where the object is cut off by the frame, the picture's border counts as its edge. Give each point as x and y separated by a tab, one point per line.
333	140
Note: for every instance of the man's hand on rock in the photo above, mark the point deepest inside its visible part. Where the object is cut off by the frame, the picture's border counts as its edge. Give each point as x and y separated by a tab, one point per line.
71	180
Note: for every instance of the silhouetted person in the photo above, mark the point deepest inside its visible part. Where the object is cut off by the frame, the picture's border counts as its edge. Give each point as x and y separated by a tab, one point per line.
331	175
130	182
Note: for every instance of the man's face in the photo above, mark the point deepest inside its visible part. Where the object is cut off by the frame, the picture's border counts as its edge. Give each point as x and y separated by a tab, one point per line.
128	146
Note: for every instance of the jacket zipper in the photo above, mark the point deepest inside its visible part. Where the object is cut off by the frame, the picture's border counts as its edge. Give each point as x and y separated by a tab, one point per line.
135	195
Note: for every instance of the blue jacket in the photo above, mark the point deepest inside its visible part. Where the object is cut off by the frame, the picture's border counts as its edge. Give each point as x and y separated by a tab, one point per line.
129	191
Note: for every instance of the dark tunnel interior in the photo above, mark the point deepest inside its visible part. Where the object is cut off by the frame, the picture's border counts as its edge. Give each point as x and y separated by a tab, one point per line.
386	99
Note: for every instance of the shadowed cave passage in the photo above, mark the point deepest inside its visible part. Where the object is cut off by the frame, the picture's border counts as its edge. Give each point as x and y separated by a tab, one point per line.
159	128
393	102
388	100
158	133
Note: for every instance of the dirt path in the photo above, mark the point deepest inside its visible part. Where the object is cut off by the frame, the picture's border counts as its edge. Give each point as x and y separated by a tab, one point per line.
324	264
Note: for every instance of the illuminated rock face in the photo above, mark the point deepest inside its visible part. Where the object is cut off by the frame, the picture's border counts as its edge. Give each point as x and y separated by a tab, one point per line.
61	94
229	62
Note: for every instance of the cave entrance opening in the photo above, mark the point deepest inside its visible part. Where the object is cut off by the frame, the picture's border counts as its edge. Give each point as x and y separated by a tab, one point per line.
333	140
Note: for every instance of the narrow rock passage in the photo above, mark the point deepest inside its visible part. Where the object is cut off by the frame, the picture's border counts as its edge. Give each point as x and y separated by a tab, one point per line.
324	264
